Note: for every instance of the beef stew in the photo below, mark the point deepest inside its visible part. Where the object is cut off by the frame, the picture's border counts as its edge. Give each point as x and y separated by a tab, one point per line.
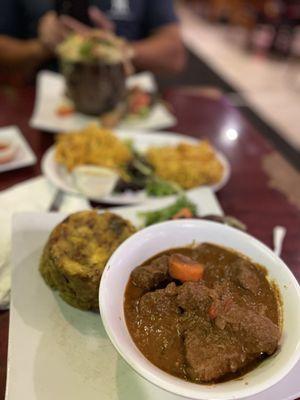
208	329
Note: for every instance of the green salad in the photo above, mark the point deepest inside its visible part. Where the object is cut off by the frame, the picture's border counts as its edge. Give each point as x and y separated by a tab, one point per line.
167	213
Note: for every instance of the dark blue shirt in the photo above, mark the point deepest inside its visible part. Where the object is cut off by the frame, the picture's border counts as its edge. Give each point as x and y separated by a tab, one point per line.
134	19
19	18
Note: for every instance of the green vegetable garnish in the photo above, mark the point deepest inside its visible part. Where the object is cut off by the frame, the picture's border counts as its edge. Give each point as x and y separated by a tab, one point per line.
158	187
164	214
144	112
105	42
142	167
86	49
130	144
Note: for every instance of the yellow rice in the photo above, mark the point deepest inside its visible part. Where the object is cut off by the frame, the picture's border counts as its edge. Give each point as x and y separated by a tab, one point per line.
93	146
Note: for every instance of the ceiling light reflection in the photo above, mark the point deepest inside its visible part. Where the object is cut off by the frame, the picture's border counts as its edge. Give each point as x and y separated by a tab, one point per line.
231	134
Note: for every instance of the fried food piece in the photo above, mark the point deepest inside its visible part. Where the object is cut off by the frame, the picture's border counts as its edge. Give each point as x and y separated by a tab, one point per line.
188	165
76	253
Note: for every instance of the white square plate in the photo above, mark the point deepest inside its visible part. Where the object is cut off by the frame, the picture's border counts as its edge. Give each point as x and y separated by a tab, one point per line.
59	352
24	156
50	94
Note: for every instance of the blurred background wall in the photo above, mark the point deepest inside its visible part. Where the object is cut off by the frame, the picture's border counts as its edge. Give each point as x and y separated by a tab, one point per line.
269	26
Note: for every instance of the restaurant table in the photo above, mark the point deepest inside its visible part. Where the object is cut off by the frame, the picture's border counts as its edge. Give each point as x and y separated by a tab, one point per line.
247	195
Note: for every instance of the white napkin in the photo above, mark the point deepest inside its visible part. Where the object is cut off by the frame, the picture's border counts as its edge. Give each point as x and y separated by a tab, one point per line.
33	195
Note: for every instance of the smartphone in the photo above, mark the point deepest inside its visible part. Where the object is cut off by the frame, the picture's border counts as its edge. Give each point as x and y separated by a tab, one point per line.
77	9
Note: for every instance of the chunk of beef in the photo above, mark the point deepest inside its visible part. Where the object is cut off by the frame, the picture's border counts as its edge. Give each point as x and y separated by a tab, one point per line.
237	336
152	275
247	275
194	296
158	303
171	289
209	357
259	334
159	324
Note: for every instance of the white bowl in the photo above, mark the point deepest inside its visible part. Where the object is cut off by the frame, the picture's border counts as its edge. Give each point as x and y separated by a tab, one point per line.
94	182
157	238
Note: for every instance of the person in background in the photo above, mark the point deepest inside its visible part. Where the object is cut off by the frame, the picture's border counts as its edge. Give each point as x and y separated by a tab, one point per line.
21	51
30	31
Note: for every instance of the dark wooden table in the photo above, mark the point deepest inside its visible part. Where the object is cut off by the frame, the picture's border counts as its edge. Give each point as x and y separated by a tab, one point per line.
246	196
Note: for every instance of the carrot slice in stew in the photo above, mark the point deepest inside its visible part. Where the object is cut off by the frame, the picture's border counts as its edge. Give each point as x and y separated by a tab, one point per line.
185	269
213	312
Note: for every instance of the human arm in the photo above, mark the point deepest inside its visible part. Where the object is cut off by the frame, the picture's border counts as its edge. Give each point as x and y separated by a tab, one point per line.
162	49
20	48
21	54
162	52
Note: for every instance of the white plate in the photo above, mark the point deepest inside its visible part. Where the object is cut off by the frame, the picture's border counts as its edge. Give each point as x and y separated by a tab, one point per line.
24	155
50	95
58	175
58	352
